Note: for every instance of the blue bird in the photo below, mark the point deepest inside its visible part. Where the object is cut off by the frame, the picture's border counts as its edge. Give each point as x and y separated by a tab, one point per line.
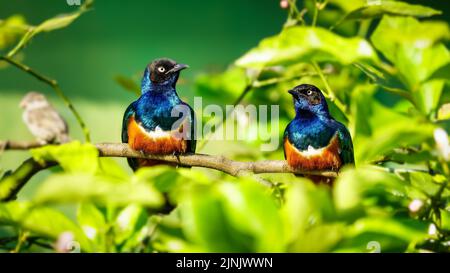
314	140
159	122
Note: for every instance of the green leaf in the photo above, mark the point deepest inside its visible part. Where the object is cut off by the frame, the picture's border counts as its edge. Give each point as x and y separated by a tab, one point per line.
52	223
444	112
445	219
296	44
428	95
73	156
319	238
11	29
60	21
57	22
42	221
379	8
383	79
249	199
128	84
12	212
306	205
216	218
163	178
111	167
380	129
348	6
382	234
408	230
358	189
93	224
423	182
129	222
100	189
413	47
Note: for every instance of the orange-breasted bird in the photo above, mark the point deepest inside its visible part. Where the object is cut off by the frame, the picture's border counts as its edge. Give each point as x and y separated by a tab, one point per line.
159	122
314	140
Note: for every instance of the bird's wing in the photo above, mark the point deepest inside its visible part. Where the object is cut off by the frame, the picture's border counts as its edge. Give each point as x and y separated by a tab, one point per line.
128	113
46	123
285	135
131	110
346	145
192	141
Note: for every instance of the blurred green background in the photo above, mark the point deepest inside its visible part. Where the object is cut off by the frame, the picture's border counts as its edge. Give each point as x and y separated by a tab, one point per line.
118	38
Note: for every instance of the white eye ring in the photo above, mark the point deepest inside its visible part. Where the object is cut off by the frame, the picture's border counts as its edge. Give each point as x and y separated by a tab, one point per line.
309	92
161	69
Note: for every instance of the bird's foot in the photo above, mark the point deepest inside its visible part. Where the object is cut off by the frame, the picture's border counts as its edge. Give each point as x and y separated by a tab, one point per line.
177	155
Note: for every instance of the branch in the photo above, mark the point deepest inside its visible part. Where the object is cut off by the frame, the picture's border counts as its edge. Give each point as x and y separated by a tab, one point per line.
11	185
53	84
220	163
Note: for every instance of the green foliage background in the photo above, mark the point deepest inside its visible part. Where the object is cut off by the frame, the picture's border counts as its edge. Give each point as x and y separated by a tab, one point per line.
384	69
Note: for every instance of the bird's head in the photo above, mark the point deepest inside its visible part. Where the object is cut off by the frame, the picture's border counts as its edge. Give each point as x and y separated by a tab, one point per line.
160	73
308	99
33	100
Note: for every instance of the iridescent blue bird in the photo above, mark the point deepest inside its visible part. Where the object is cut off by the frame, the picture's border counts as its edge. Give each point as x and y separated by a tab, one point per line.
159	122
314	140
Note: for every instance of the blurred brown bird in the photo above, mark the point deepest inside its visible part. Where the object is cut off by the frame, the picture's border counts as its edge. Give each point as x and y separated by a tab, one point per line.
42	119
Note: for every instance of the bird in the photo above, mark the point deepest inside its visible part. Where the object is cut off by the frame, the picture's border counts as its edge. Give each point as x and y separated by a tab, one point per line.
314	140
43	120
159	122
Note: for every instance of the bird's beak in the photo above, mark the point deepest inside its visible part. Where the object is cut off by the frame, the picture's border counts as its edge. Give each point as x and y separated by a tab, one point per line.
177	67
292	92
22	104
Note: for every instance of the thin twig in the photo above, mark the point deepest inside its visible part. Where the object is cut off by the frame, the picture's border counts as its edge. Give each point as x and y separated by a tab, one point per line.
54	84
329	92
316	13
219	124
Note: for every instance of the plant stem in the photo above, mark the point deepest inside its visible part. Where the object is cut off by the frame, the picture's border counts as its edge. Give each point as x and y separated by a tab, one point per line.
364	28
329	92
244	93
54	84
22	238
316	13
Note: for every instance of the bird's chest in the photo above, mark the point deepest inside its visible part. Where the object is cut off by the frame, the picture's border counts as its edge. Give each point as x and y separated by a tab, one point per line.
156	112
155	129
312	147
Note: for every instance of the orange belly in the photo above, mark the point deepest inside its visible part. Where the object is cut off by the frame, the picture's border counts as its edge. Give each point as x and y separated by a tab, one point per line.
326	158
154	143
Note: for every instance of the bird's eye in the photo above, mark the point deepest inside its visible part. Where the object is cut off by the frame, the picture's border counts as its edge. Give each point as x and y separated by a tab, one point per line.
309	92
161	69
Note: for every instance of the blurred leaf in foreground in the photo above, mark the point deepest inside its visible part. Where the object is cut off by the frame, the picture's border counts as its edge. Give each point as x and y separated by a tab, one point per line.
296	44
11	29
73	156
382	7
231	217
99	189
42	221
